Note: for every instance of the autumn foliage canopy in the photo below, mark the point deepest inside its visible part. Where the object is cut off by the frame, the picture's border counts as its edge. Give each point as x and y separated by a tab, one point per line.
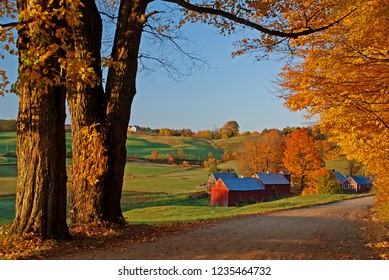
343	79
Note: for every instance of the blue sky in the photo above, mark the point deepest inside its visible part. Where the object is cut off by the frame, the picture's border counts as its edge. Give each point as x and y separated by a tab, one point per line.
238	89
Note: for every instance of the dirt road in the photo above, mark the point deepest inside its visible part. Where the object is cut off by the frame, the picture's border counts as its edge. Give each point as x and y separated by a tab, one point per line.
330	231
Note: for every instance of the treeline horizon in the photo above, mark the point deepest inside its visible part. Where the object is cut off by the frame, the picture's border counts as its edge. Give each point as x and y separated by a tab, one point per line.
230	129
8	125
224	132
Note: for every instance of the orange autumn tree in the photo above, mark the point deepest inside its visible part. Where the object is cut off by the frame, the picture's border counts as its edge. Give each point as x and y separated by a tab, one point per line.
262	154
343	79
302	159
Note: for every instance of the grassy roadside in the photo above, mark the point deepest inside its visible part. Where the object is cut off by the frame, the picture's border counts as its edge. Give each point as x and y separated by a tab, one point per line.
188	213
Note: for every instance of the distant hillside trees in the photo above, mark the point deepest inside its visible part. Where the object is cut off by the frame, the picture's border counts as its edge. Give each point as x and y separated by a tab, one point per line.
229	129
7	125
185	132
154	155
208	134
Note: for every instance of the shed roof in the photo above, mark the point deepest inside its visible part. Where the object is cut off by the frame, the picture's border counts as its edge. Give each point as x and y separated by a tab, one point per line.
284	172
224	175
273	179
361	180
339	176
243	184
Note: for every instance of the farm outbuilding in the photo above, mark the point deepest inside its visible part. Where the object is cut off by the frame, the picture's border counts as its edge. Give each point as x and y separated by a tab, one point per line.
219	175
133	128
286	174
357	184
339	177
276	185
234	191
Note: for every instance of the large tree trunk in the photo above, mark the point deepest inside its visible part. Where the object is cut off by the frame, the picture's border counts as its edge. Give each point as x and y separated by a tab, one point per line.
41	187
88	105
87	108
120	90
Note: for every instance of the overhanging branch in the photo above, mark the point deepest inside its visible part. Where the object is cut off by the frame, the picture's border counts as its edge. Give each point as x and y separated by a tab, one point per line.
9	24
14	24
256	26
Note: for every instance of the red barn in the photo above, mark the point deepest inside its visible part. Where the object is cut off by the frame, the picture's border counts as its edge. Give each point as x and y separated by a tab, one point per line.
276	185
233	191
219	175
357	184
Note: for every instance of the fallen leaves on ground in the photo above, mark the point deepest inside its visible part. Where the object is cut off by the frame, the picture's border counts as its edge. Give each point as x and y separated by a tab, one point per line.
108	236
84	238
21	247
377	236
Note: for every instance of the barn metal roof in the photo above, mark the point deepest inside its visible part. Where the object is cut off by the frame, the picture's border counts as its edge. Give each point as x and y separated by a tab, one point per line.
273	179
243	184
224	175
361	180
339	176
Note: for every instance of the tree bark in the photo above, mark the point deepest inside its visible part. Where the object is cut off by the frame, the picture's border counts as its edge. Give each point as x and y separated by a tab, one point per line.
41	187
112	109
87	107
120	90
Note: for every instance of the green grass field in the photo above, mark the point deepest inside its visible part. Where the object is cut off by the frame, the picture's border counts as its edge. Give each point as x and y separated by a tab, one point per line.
7	208
145	185
233	143
193	148
141	145
7	138
8	177
155	193
339	164
156	178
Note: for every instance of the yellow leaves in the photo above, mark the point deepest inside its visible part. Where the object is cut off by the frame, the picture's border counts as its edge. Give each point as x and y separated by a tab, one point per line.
45	55
79	70
3	82
343	78
26	246
91	163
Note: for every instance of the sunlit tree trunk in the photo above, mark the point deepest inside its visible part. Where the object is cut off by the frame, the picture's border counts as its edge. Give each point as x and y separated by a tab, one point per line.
87	108
41	187
111	110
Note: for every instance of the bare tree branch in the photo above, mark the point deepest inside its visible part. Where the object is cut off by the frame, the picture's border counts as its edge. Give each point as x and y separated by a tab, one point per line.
112	17
256	26
14	24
